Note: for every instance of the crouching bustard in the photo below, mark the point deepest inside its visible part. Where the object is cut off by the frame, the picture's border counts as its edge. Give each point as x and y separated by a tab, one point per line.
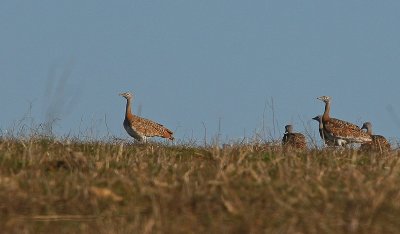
293	139
339	131
141	128
378	143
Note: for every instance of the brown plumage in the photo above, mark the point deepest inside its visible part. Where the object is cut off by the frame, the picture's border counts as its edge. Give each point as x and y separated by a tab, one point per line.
378	143
295	140
141	128
339	131
322	133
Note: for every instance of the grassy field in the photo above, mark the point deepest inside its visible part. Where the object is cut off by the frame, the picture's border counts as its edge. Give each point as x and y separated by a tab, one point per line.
48	186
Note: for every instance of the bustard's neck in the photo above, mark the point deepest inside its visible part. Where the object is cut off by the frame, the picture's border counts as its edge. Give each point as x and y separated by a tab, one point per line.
128	110
325	116
369	131
321	125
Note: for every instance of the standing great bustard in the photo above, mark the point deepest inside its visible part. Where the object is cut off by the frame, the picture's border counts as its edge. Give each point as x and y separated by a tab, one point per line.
322	133
292	139
339	131
141	128
378	142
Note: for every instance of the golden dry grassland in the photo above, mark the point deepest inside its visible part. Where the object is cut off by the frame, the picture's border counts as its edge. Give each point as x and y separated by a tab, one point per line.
51	186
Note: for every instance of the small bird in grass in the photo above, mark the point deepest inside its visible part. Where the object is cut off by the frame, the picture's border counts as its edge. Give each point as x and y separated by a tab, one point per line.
141	128
339	131
378	143
292	139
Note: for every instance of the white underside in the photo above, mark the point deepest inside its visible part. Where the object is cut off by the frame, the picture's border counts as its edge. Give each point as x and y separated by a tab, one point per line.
340	142
133	133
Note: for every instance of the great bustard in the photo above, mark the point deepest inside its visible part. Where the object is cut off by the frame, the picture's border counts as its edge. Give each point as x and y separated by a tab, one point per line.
322	133
378	142
141	128
339	131
292	139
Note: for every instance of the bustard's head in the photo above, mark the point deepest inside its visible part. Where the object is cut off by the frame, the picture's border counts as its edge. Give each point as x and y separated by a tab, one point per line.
317	118
325	99
367	126
288	128
126	95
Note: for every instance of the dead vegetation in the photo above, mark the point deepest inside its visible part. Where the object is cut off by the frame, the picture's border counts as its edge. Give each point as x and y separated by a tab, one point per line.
97	187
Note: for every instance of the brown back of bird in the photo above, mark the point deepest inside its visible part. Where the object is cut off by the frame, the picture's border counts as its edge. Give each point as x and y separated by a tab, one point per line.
378	143
294	140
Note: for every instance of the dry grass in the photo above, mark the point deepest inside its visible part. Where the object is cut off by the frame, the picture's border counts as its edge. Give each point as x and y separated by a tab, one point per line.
77	187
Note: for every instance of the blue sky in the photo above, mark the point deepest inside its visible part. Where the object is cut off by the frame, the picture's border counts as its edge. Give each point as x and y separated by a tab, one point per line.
192	64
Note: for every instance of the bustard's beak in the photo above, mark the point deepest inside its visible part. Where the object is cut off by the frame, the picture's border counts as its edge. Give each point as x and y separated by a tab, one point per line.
319	98
315	118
